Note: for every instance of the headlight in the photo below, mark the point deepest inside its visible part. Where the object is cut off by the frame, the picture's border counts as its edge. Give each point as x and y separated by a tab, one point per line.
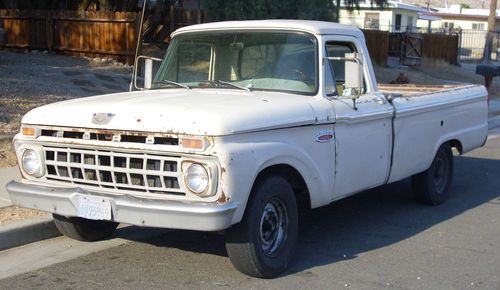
32	164
196	178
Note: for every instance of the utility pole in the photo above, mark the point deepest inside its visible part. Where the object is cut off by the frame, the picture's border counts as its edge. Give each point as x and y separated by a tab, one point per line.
429	24
491	30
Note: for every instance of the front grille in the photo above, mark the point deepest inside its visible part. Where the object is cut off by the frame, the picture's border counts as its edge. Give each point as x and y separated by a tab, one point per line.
110	135
114	170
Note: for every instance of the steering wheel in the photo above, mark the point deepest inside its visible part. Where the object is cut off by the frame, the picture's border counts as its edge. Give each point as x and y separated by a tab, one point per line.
302	76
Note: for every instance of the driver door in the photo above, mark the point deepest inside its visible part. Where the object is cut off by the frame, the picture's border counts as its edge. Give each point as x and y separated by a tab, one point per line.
363	135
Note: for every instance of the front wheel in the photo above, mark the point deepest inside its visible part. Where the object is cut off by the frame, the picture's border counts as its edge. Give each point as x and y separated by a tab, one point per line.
84	229
263	243
432	186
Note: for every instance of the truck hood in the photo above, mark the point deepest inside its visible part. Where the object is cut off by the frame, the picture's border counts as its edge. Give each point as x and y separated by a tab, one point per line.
213	112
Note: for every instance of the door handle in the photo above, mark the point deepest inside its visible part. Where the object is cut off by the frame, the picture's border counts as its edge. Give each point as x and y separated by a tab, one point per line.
380	100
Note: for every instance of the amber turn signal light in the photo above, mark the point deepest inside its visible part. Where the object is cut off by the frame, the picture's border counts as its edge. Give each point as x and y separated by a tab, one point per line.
192	143
28	131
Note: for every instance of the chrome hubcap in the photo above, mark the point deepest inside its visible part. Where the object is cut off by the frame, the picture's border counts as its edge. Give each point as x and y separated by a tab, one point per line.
273	226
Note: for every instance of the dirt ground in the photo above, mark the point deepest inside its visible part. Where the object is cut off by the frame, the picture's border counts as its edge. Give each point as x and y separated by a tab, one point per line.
437	72
28	80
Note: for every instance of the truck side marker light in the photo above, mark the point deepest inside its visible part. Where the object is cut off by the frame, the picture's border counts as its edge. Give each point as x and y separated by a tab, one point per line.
324	136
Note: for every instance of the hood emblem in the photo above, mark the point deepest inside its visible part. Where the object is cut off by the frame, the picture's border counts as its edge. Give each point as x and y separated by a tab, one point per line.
102	118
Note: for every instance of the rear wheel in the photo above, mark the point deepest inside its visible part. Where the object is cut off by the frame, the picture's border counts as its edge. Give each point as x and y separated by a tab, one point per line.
84	229
432	186
263	243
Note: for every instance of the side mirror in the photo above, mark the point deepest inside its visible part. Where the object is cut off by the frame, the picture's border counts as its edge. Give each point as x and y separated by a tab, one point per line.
354	72
353	83
148	71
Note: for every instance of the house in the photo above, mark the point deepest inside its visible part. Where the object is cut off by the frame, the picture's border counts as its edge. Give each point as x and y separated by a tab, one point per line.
471	25
456	17
395	17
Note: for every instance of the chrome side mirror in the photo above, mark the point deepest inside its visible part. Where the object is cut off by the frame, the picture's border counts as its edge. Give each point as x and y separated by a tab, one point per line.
354	72
353	83
148	71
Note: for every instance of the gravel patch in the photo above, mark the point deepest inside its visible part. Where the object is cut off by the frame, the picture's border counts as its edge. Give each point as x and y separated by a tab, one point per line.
13	213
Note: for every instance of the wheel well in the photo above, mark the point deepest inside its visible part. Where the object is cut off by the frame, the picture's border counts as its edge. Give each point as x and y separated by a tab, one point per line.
294	178
457	145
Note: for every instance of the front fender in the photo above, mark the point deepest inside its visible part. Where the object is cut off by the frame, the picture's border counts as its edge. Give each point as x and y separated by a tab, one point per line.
243	157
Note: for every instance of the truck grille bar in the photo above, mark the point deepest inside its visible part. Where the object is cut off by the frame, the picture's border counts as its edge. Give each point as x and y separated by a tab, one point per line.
114	170
110	135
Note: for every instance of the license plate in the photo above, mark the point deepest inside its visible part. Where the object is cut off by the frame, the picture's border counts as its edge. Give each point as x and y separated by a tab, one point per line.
93	207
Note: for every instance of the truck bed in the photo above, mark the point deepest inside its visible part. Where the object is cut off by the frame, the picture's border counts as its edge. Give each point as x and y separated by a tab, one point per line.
415	90
429	115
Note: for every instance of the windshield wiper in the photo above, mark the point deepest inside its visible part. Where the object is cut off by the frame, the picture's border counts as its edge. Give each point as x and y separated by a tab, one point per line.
219	83
167	82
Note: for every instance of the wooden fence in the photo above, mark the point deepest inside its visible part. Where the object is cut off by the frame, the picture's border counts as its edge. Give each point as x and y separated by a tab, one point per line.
80	33
441	46
113	34
377	43
437	46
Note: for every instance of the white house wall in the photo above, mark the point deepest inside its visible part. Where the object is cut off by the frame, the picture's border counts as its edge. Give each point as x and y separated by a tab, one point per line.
457	23
387	18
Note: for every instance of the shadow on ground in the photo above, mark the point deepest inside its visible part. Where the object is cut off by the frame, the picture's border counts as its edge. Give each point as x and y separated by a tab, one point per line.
364	222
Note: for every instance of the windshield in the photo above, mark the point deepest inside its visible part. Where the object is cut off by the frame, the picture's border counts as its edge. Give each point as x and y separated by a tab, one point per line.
256	60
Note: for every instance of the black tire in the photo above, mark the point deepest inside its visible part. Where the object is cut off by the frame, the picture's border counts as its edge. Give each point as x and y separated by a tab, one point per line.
432	186
255	246
84	229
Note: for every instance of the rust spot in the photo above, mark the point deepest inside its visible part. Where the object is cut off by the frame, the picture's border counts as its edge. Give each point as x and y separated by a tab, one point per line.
223	198
106	134
114	132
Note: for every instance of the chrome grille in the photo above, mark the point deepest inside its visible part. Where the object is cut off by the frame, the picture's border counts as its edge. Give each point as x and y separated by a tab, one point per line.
110	135
114	170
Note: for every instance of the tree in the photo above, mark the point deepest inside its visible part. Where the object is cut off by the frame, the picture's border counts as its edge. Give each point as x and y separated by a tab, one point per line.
491	30
279	9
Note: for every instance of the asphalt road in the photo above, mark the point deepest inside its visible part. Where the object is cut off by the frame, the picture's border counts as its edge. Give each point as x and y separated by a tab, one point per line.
377	239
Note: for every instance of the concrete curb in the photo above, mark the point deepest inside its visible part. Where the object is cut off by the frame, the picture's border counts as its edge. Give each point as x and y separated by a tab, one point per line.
493	122
27	231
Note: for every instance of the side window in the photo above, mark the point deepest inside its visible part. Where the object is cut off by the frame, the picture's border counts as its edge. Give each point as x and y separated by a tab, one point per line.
337	49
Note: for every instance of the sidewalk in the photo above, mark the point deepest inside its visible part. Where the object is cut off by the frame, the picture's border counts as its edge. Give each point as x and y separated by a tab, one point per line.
6	175
24	231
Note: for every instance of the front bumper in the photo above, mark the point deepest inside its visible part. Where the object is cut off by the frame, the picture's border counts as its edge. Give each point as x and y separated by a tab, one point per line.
127	209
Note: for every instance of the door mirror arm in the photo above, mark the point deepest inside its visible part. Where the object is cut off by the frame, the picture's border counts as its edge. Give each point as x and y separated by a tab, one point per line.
148	71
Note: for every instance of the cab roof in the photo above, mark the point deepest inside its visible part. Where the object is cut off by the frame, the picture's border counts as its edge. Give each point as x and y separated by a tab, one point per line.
311	26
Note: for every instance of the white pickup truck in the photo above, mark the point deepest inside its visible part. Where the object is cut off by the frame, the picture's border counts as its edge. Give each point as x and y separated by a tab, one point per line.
243	124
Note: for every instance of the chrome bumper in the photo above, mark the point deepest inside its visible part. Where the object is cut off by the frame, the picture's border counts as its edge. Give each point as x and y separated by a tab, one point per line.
127	209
